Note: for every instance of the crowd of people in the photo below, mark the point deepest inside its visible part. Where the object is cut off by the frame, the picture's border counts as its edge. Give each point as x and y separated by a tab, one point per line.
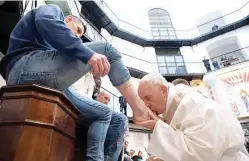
45	48
130	155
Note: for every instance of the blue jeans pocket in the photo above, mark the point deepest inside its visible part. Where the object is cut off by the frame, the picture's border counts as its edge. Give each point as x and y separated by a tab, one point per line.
42	78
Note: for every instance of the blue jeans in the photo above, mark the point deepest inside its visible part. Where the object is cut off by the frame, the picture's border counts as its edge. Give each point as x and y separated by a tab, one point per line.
59	71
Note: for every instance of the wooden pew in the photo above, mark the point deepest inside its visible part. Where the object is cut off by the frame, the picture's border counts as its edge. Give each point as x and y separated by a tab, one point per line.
36	124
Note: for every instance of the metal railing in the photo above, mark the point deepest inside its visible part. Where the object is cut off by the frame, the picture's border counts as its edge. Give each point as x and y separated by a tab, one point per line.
191	33
164	68
231	58
181	68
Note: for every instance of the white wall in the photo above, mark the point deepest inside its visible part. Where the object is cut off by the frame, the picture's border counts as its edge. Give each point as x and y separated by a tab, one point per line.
207	27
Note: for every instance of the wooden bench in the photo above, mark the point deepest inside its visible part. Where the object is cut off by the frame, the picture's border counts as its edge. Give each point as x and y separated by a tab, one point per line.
36	124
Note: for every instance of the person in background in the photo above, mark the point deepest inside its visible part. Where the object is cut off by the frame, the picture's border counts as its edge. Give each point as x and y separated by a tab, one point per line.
126	143
104	97
132	152
206	64
138	157
195	128
123	105
97	86
127	156
216	65
180	81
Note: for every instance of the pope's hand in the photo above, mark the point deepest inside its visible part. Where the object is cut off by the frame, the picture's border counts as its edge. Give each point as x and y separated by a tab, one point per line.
143	114
153	158
150	121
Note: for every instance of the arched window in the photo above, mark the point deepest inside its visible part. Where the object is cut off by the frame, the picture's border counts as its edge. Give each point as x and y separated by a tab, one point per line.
161	25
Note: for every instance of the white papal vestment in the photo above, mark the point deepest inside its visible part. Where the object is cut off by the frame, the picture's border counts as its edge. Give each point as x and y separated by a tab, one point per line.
197	129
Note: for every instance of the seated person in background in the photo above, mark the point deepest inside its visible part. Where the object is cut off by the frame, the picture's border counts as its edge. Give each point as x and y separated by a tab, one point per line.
216	65
104	97
132	152
138	157
180	81
45	48
195	128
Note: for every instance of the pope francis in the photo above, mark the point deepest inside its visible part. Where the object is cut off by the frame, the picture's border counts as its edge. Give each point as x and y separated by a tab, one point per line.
192	127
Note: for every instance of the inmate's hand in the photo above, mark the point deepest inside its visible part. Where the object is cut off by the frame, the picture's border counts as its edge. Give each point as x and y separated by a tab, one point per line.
100	64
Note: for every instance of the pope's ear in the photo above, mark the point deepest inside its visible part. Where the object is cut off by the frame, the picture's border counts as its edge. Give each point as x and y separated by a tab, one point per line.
164	89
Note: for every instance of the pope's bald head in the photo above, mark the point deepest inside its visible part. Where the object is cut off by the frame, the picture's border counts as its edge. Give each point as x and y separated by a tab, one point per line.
152	80
153	90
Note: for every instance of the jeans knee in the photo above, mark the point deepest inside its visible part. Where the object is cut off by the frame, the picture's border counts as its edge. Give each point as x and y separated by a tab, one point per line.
123	122
112	53
107	114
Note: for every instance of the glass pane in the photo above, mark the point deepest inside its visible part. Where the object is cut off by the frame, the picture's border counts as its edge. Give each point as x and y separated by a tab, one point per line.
172	37
157	37
178	58
171	64
180	64
162	64
181	70
164	37
172	33
160	59
155	33
163	33
172	51
170	59
172	70
162	29
154	29
163	70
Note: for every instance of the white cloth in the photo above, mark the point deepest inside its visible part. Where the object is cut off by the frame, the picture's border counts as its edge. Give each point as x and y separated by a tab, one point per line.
84	86
200	130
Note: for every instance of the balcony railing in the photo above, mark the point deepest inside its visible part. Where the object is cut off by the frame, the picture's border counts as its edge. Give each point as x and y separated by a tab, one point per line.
210	26
169	68
231	58
181	68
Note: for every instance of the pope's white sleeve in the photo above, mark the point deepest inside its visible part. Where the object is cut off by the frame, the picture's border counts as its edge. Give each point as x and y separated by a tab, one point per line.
199	137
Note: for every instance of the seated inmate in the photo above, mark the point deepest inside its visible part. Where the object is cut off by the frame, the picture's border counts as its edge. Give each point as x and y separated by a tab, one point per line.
45	48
